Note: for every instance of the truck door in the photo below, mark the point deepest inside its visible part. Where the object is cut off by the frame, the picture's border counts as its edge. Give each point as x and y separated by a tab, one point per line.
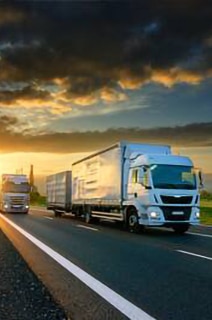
139	182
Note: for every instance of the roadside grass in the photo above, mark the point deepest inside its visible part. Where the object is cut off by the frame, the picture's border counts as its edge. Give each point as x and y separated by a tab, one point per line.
206	212
39	201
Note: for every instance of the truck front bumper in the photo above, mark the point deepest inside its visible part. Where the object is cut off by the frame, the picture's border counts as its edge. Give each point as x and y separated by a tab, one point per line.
170	215
16	208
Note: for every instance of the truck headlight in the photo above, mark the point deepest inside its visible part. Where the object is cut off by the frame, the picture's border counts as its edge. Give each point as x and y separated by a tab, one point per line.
197	214
6	206
154	215
26	206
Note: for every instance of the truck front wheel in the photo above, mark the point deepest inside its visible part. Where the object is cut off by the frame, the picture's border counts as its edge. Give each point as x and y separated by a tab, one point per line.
132	221
180	228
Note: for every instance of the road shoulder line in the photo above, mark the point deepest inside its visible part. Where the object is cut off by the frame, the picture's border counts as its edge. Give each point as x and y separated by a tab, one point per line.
200	234
194	254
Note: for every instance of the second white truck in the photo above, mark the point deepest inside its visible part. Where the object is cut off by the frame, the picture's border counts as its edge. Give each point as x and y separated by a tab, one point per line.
15	193
137	184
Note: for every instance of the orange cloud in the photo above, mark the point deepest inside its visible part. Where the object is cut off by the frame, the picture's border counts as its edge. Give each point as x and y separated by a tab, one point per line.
53	106
61	82
175	75
105	94
130	81
111	95
85	100
167	77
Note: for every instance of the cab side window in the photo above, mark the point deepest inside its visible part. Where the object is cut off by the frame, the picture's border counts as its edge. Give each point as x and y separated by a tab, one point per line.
135	176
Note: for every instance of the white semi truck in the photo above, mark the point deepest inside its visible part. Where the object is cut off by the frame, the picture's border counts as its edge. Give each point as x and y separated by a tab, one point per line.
15	193
138	184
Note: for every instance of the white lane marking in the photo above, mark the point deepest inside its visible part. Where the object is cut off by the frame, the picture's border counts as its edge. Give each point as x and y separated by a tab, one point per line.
200	234
85	227
49	218
194	254
120	303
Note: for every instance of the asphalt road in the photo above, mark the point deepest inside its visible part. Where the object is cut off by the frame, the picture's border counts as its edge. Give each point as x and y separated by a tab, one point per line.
165	275
22	295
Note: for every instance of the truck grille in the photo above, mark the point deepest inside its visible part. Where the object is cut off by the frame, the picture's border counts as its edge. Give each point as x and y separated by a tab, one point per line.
176	200
168	213
17	201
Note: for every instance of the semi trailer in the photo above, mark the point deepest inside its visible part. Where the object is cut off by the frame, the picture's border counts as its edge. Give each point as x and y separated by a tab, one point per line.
15	193
136	184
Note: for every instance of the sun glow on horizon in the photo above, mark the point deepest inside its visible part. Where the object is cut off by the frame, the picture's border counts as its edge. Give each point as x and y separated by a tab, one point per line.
49	163
44	163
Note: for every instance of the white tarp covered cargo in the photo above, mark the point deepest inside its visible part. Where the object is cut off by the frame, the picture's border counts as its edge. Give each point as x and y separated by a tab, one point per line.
101	176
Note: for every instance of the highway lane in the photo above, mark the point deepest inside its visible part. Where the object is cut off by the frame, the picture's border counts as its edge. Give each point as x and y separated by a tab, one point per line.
146	269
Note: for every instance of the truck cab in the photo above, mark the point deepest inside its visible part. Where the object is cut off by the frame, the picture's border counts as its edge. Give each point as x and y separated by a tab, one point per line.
164	190
14	195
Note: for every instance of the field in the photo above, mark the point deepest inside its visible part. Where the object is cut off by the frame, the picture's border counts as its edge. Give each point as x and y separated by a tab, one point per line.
37	200
206	212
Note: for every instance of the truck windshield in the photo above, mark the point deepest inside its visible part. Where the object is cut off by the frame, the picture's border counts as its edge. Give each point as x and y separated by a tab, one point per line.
173	177
9	186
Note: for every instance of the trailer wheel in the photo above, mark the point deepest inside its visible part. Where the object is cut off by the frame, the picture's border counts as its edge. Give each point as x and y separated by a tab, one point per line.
132	221
57	213
88	216
180	228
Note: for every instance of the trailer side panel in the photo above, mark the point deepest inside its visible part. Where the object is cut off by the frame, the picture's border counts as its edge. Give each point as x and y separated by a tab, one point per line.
97	179
58	189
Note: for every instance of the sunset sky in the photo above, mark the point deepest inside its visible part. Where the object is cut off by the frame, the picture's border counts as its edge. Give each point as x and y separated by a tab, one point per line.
78	76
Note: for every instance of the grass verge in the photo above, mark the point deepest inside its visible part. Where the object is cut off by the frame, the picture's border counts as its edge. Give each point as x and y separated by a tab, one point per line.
206	212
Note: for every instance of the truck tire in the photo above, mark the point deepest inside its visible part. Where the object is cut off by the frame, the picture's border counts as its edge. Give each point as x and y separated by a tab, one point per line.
57	213
132	221
87	214
180	228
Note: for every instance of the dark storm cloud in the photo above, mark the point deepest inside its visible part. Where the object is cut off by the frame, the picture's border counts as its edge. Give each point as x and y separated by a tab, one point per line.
97	44
199	134
10	15
8	127
28	93
6	123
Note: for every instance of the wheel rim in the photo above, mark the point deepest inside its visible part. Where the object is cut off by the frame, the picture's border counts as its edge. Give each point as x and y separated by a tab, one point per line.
133	221
133	224
87	217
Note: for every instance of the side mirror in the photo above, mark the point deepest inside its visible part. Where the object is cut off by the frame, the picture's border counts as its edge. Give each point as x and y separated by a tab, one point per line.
200	179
